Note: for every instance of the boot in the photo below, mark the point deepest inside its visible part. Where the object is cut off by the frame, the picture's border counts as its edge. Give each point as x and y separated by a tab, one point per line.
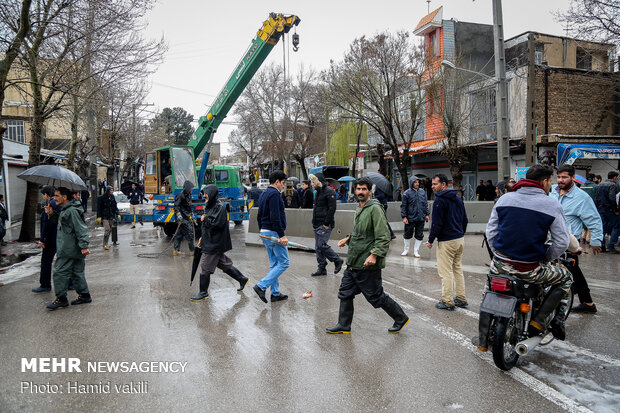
58	303
551	302
406	247
319	271
82	299
416	248
238	276
394	310
338	266
345	317
205	279
557	327
484	325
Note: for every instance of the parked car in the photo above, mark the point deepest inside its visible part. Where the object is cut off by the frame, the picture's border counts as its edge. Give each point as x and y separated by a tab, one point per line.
263	184
122	203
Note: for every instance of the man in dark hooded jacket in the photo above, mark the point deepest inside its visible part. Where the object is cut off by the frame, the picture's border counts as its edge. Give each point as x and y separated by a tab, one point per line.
414	212
183	211
448	225
215	242
107	213
323	224
49	224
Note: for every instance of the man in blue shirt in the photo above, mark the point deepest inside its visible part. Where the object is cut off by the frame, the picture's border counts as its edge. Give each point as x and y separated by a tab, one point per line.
272	223
580	211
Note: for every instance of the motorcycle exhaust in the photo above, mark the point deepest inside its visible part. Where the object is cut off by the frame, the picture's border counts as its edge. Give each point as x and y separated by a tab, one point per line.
525	346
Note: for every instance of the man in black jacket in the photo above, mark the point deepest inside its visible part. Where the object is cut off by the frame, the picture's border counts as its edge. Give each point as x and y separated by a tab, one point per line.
49	224
215	242
183	211
107	213
307	198
253	194
136	197
323	224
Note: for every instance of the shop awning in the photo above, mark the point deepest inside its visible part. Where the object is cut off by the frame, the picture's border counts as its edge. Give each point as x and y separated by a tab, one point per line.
569	152
424	146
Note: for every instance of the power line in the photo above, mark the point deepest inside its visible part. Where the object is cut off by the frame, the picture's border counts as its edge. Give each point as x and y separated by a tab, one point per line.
183	90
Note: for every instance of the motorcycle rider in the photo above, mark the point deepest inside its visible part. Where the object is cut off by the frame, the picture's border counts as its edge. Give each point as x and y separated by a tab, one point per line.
528	206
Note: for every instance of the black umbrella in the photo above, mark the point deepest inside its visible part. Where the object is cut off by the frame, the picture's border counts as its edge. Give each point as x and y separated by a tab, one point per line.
196	263
381	182
126	187
53	175
333	183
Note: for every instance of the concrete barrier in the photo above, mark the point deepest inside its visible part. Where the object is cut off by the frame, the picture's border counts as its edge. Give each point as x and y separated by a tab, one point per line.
299	221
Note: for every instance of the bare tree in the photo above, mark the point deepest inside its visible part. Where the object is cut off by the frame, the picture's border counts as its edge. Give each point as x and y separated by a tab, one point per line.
76	47
11	39
597	20
379	82
247	139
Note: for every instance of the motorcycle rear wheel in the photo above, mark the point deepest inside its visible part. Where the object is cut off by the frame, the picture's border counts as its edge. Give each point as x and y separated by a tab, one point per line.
505	353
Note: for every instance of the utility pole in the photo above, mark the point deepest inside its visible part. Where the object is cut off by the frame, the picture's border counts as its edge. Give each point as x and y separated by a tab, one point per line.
501	99
133	133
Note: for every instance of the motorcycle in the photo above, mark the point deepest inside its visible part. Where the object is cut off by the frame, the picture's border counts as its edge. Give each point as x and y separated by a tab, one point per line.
510	303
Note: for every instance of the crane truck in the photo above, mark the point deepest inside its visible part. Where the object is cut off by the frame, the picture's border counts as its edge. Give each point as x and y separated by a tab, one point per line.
168	167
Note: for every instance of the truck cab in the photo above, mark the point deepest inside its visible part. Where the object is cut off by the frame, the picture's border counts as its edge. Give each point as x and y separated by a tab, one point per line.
167	169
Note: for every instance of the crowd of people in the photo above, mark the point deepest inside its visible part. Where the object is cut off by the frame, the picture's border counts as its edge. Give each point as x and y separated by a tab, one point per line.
565	211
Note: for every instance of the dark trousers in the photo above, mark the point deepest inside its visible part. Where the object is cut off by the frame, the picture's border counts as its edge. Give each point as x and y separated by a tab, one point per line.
184	232
2	230
580	285
414	228
47	258
322	249
367	282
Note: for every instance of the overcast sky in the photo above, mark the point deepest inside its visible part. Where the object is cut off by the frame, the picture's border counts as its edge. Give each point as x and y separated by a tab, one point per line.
207	38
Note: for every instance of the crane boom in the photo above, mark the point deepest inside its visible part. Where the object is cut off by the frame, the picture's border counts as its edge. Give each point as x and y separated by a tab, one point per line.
268	35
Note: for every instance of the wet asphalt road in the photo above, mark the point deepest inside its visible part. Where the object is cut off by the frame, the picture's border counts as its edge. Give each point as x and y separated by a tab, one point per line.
245	355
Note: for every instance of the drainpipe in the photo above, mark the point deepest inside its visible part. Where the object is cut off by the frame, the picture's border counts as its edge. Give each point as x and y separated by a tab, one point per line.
546	101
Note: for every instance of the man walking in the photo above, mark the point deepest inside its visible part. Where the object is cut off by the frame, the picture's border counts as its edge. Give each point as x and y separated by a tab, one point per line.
448	225
136	197
607	206
414	212
272	223
107	212
215	242
368	246
481	191
4	216
183	210
323	224
49	224
253	194
580	211
307	198
72	242
84	195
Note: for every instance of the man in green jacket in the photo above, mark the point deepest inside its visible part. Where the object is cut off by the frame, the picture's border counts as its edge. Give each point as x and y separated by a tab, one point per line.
72	247
368	246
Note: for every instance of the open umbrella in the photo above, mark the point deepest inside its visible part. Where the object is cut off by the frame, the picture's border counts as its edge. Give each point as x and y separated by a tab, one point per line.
346	178
53	175
381	182
333	183
195	263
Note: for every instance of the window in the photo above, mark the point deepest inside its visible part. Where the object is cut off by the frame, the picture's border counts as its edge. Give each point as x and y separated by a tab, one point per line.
221	176
584	59
150	164
184	167
483	107
539	53
15	131
434	44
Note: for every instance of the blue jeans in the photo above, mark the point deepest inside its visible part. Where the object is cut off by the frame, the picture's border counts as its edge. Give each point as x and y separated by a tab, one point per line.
278	263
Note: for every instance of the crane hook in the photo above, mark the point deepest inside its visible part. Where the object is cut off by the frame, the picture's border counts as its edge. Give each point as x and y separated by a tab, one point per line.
295	42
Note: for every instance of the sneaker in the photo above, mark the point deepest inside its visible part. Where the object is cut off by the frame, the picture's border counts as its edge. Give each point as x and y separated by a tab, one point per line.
106	247
318	272
115	244
82	299
58	303
460	303
41	289
338	266
260	292
404	253
581	308
443	306
280	297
